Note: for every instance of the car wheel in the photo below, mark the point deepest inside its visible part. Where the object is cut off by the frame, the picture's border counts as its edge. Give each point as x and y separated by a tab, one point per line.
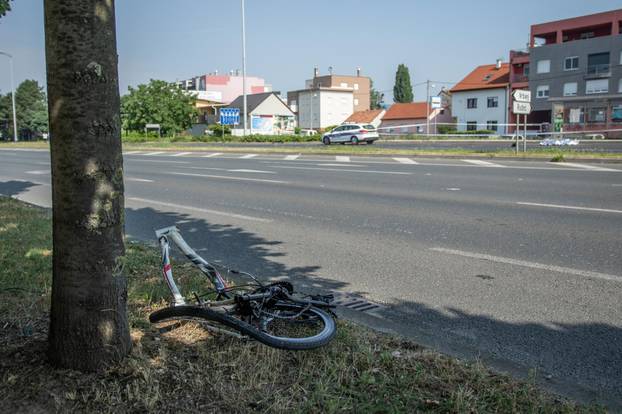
326	141
354	141
370	142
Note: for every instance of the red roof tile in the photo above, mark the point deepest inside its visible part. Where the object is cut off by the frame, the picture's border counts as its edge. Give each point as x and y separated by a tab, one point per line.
364	117
485	77
415	110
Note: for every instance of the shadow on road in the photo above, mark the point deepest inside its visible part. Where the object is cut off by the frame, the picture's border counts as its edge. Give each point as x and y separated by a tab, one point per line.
14	188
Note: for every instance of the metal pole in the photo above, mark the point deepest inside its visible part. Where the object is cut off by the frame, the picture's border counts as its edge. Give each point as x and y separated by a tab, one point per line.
12	95
525	143
244	66
311	115
517	131
427	105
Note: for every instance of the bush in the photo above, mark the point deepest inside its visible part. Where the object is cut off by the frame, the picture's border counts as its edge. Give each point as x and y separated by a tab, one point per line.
217	129
297	130
446	129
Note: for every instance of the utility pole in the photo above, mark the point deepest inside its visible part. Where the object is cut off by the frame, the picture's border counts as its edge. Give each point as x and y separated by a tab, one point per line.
244	68
12	95
427	107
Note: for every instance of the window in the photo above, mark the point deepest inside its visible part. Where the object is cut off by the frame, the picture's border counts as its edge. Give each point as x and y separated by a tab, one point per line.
544	66
597	86
471	126
571	63
526	69
542	91
493	102
576	116
616	113
356	86
472	103
570	89
597	115
356	102
492	125
620	85
344	85
598	63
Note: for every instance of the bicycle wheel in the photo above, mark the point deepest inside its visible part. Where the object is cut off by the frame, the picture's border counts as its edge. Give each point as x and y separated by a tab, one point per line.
283	325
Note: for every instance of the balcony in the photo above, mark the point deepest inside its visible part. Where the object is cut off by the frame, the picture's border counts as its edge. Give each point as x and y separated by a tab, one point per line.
520	79
598	71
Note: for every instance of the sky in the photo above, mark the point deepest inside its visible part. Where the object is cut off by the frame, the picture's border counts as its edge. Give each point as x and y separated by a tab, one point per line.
286	39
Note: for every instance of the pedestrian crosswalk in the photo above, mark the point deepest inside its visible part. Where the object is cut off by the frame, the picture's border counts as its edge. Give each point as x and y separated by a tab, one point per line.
403	162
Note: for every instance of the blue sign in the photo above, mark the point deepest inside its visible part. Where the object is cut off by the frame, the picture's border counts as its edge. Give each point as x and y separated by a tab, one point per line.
229	116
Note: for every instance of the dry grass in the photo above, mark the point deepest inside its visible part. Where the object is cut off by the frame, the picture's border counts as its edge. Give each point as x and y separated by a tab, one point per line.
190	370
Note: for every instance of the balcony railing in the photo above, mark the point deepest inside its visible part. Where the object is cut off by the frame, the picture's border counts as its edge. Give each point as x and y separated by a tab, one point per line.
520	78
598	71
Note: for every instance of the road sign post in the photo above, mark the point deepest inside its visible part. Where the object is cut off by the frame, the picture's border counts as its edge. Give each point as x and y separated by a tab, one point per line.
521	106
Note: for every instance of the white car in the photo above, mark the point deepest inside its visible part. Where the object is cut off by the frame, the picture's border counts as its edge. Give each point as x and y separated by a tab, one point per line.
352	133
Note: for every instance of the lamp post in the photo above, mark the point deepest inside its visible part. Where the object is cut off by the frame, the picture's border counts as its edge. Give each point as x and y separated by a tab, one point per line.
12	95
244	67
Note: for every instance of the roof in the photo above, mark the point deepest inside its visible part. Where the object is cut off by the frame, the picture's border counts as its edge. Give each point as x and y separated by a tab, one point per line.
364	117
252	100
414	110
485	77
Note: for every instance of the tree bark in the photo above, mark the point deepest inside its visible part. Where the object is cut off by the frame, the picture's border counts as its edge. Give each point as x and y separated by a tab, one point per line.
89	328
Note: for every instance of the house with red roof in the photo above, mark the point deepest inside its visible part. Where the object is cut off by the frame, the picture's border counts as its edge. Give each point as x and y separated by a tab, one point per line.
411	118
480	100
371	116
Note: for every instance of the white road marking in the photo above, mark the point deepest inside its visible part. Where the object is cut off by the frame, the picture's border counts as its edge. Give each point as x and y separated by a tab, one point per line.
533	265
343	169
138	180
484	163
253	171
226	177
342	158
602	210
215	154
339	165
132	152
616	185
181	154
166	161
453	189
154	153
201	210
38	172
584	166
291	157
247	156
405	161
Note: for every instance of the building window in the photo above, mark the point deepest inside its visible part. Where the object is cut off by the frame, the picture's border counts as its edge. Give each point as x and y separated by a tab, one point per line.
526	69
620	86
472	103
616	113
542	91
471	126
575	116
344	85
492	125
544	66
598	63
493	102
356	102
598	115
597	86
570	89
356	86
571	63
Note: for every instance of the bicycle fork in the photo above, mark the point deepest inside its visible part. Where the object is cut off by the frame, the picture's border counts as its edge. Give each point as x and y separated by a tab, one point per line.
167	272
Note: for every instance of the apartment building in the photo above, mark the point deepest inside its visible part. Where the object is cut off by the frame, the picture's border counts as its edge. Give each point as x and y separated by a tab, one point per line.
480	100
576	72
223	88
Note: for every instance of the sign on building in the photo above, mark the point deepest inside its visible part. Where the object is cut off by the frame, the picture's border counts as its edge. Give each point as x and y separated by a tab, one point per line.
521	95
230	116
521	108
435	102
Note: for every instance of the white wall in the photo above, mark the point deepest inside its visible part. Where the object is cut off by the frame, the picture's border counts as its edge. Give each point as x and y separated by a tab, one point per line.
329	108
482	114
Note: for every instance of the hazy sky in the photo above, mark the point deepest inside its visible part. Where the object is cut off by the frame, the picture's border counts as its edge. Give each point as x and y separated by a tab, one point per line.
173	40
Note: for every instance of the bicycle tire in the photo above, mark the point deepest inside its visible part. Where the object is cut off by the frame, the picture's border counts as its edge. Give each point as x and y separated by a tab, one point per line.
296	344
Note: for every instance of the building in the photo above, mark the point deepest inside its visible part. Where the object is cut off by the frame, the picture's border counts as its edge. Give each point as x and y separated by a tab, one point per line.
411	118
519	79
576	72
330	99
223	88
372	116
480	100
268	114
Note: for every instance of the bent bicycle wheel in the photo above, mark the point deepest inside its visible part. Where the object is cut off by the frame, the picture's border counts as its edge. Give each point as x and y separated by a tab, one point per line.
282	325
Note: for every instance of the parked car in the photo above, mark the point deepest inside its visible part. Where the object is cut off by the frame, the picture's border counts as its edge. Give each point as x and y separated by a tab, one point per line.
352	133
551	142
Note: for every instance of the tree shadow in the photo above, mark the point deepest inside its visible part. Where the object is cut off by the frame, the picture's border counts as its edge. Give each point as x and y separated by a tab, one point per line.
14	187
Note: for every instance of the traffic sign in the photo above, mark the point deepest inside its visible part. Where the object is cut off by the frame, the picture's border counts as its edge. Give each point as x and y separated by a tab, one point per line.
521	95
230	116
522	108
436	102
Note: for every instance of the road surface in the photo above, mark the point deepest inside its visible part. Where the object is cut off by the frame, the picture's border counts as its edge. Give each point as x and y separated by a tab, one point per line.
518	263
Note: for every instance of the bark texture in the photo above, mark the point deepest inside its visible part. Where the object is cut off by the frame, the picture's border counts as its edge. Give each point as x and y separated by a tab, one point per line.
89	328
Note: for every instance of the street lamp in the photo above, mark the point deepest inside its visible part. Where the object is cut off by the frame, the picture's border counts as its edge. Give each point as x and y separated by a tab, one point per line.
12	95
244	67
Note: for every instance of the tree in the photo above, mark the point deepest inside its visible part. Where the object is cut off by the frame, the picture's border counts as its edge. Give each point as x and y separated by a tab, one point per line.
31	108
89	327
402	91
5	6
159	102
375	97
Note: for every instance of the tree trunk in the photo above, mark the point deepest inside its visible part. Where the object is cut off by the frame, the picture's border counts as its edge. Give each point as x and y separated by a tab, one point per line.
89	328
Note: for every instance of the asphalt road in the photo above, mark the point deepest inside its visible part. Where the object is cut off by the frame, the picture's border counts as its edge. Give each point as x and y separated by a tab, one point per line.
517	263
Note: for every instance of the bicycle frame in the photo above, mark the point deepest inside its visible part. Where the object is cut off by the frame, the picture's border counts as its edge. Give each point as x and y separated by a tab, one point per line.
172	233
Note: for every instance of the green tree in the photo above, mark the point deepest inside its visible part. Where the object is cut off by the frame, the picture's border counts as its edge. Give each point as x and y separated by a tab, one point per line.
159	102
375	97
402	91
5	6
31	107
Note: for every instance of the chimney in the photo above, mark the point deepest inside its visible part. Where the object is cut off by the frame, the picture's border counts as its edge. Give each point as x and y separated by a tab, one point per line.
316	72
498	63
330	70
358	71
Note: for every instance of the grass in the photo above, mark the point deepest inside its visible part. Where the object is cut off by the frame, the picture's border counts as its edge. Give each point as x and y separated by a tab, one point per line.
362	150
190	370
